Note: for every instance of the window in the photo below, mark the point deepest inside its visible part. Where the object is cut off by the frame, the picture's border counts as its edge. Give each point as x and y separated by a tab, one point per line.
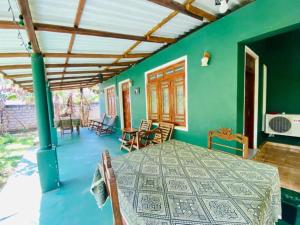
110	101
166	94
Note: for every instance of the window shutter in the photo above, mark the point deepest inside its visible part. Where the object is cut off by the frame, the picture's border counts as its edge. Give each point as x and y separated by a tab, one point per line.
179	101
166	101
153	101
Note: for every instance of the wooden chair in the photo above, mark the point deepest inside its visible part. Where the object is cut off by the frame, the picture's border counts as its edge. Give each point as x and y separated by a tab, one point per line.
111	187
107	127
129	135
226	134
146	137
165	134
65	122
95	123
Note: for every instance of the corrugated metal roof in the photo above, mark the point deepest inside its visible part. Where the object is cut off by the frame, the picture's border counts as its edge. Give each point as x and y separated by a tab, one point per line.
133	17
130	17
54	12
53	42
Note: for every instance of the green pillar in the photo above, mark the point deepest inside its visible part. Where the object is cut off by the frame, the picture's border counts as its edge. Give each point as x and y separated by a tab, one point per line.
53	130
46	155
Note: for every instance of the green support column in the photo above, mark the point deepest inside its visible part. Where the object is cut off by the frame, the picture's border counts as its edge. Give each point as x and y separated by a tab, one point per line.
53	130
46	156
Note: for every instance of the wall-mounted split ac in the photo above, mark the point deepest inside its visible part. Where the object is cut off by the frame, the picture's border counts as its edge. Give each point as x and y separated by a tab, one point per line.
283	124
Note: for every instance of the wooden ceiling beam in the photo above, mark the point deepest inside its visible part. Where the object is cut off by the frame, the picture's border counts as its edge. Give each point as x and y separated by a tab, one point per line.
200	12
73	82
70	87
25	11
98	33
89	32
19	76
14	54
28	66
70	78
173	5
88	55
75	55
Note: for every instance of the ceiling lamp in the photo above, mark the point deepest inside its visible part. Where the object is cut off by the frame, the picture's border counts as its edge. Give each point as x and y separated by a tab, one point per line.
223	5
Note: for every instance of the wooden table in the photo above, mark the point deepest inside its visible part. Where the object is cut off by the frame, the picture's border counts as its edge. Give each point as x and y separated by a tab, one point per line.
179	183
75	123
127	140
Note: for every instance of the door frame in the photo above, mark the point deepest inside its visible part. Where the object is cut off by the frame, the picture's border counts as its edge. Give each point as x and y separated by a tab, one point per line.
256	81
121	101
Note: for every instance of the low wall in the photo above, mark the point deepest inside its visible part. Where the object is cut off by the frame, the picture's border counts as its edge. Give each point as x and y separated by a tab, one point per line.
20	117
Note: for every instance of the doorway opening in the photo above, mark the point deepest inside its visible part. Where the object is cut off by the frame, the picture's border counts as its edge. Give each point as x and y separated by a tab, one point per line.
251	96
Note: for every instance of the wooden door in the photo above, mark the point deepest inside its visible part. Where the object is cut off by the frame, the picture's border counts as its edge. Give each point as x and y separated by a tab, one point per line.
111	101
126	105
249	98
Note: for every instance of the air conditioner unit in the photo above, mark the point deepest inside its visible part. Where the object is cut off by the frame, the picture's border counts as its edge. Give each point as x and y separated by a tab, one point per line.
283	124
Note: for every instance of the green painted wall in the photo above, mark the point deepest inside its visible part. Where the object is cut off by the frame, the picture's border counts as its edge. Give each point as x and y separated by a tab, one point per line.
215	93
281	55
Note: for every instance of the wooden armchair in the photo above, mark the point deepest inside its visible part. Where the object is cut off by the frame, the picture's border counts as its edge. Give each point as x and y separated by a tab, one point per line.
107	127
129	135
65	123
111	187
226	134
165	134
95	123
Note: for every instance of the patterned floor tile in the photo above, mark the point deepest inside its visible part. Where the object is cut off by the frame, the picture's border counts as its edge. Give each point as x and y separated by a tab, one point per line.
207	187
169	161
197	172
239	189
149	203
172	171
126	180
130	167
189	161
151	169
223	174
212	163
186	208
177	185
150	183
223	210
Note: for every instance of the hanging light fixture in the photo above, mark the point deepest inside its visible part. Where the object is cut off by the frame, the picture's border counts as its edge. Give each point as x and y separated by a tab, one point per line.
223	5
21	21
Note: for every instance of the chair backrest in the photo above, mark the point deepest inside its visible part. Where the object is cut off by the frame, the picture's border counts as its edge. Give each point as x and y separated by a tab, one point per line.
145	125
111	187
226	134
166	130
65	121
111	121
102	117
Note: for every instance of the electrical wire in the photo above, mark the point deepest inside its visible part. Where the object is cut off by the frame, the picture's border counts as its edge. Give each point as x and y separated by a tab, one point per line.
20	37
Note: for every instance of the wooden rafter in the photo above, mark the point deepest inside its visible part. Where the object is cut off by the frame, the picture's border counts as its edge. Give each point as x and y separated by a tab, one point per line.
62	65
70	78
89	32
25	11
89	55
187	9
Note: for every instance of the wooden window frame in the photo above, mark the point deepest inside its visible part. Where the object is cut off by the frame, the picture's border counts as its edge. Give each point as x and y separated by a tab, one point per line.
181	74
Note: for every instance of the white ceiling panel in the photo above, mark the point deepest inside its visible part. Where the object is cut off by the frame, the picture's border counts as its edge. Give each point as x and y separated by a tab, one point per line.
11	42
15	61
178	26
54	11
91	44
82	68
85	60
55	76
131	17
147	47
18	71
55	69
53	42
54	60
129	59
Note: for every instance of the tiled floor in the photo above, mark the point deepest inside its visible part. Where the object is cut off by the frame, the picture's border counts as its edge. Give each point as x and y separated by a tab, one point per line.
21	201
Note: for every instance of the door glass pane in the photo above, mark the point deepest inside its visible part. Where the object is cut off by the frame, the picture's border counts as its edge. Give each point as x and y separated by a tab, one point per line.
153	101
179	100
166	100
